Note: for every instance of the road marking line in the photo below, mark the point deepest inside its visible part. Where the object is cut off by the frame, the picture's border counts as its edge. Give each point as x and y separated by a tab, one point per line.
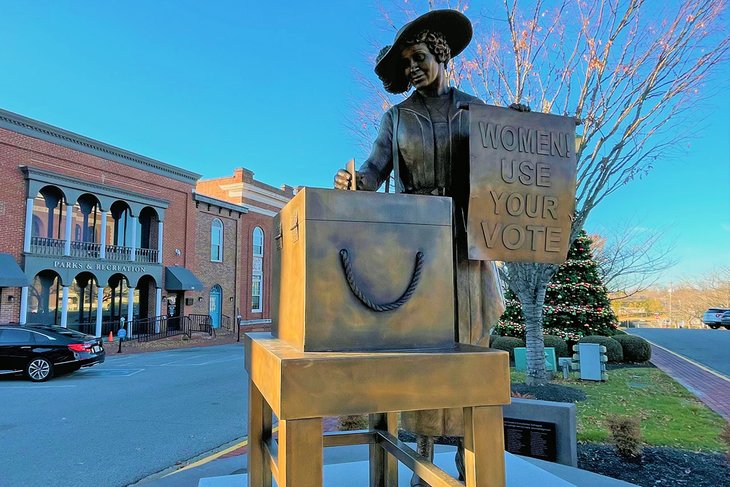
113	372
706	369
215	456
180	359
195	364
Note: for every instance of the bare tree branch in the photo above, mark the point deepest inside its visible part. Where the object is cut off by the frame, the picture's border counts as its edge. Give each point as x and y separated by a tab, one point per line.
631	258
631	70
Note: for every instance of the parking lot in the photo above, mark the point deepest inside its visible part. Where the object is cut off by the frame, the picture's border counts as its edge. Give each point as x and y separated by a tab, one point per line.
123	420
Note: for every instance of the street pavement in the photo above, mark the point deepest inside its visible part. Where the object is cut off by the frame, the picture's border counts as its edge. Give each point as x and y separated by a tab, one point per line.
706	347
116	423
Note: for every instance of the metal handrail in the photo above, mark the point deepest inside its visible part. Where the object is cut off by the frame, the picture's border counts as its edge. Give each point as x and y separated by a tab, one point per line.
92	250
200	322
146	255
89	327
157	327
85	249
118	253
47	246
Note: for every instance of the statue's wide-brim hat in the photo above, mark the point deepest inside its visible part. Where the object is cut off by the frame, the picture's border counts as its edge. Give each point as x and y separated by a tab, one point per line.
452	24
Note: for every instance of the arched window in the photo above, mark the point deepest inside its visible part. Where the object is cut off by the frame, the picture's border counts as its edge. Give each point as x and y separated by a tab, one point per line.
257	274
216	241
258	242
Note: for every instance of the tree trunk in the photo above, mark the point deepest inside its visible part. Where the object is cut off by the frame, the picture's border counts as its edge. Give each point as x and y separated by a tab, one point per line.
532	310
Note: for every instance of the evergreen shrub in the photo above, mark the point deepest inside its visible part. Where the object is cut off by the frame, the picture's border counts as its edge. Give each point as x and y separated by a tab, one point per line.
352	423
560	345
614	352
576	300
635	349
508	344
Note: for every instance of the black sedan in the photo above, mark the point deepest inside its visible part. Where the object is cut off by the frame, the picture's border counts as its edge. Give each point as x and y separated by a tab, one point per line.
41	350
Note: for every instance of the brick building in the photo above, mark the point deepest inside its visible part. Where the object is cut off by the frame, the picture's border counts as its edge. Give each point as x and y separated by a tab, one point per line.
219	260
263	202
102	233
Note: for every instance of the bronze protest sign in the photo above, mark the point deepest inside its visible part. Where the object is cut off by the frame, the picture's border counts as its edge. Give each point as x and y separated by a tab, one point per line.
522	185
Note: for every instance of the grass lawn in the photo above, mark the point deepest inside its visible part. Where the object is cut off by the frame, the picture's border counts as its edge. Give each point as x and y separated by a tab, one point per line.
670	415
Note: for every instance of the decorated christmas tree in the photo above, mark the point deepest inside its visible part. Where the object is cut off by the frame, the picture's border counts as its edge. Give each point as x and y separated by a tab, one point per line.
576	301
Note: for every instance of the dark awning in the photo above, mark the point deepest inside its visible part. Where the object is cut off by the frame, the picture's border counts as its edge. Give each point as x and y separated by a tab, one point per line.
10	273
181	279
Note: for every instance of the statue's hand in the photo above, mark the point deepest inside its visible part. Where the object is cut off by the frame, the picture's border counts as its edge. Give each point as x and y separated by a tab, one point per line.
343	179
520	107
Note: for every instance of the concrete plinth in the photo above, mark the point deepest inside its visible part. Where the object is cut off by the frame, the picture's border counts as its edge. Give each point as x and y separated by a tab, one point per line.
520	472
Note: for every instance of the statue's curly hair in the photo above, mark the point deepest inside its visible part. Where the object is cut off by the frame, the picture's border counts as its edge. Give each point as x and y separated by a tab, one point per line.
394	81
436	43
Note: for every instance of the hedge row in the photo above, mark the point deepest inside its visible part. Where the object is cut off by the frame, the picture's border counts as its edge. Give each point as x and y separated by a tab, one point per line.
619	348
623	348
614	352
508	344
636	349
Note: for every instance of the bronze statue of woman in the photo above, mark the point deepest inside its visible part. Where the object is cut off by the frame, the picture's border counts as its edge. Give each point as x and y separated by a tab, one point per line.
426	139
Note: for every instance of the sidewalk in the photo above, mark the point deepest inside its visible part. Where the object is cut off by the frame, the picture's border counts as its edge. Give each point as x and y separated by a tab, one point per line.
232	459
710	387
198	339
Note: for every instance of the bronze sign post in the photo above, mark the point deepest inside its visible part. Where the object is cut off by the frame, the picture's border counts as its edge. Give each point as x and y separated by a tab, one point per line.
522	175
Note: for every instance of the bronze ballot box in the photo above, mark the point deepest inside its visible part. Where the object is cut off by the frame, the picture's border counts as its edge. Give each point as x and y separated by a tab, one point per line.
355	270
363	323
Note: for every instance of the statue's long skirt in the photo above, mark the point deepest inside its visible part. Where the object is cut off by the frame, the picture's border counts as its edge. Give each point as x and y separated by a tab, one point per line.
479	306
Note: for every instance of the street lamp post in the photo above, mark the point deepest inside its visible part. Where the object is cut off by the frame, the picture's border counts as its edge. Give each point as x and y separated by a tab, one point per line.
670	305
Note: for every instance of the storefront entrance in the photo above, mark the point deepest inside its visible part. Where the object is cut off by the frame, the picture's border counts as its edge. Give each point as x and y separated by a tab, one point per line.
216	305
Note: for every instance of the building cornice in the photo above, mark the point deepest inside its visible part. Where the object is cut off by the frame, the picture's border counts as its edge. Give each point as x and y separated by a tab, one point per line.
49	133
219	203
48	177
244	187
261	211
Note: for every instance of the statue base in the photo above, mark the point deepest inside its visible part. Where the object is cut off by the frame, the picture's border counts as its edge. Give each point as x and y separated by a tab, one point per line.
301	388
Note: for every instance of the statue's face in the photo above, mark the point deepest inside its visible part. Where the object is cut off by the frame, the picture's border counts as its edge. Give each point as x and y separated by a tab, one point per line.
421	67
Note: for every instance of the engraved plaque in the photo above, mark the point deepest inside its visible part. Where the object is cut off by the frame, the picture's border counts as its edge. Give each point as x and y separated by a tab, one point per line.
534	439
522	185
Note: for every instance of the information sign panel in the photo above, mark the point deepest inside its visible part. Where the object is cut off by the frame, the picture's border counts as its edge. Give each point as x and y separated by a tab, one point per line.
521	359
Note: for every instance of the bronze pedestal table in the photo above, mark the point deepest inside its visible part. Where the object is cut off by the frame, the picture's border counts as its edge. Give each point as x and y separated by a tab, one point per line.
301	388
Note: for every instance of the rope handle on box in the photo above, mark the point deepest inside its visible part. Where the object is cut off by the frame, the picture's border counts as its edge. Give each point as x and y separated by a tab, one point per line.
415	278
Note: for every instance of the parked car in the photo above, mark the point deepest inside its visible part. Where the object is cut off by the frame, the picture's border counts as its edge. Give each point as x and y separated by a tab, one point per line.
712	316
40	351
725	320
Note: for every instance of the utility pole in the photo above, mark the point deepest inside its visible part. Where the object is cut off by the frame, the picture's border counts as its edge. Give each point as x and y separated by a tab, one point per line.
670	304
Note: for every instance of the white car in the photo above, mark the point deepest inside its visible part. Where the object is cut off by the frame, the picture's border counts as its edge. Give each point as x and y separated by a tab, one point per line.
712	317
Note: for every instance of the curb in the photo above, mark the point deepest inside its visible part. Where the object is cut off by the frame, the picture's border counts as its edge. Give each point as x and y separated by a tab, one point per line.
703	367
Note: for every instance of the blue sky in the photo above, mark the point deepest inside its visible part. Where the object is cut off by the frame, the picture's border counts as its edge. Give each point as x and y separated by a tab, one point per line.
271	86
